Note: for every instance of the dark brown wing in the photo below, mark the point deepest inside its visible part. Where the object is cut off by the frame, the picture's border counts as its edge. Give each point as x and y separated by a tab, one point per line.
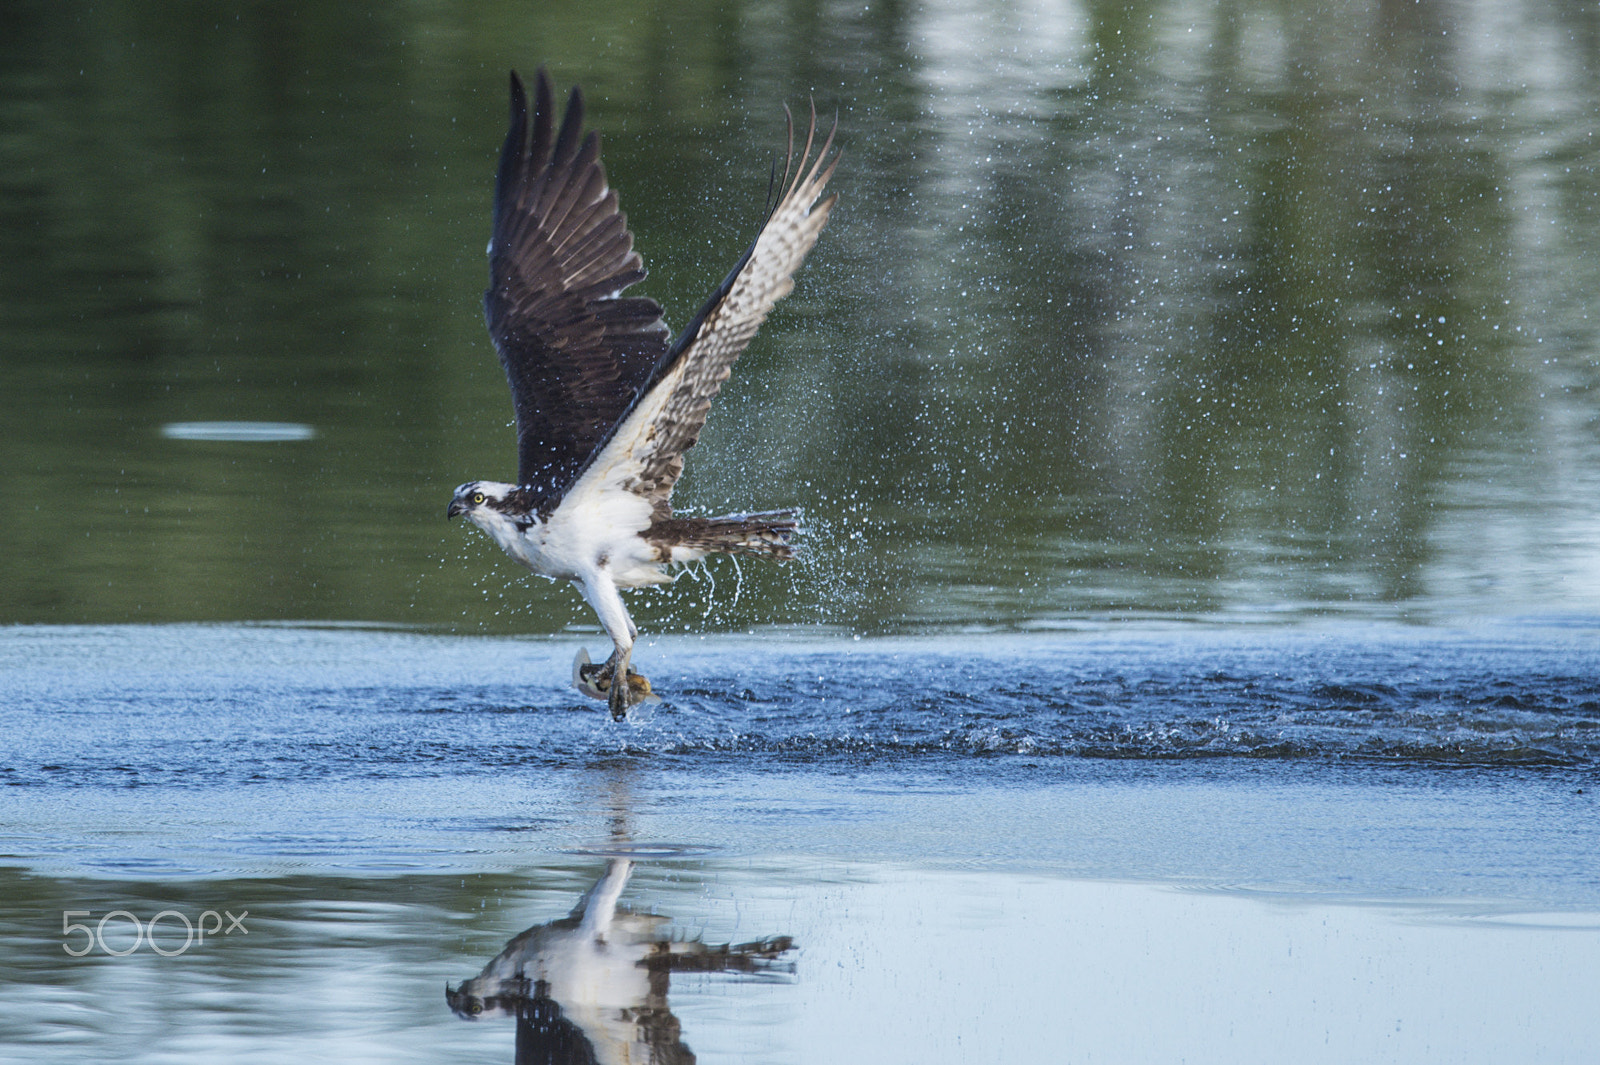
575	351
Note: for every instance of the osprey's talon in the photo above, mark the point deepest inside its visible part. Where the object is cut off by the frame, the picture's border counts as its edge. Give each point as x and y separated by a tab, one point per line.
595	682
636	691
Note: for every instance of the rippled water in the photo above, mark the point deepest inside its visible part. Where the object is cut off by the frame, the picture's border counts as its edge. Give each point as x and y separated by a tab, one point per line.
393	747
233	705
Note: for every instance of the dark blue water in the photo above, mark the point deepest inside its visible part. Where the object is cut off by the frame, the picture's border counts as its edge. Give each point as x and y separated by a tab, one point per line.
223	706
1359	759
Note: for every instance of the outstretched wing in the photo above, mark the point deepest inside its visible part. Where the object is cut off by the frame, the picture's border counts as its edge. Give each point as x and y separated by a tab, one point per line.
575	350
645	456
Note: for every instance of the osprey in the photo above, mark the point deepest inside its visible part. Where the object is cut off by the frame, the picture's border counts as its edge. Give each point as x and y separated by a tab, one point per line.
606	401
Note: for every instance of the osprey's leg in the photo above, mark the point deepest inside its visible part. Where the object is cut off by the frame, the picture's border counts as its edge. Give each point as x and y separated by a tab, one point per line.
602	593
618	695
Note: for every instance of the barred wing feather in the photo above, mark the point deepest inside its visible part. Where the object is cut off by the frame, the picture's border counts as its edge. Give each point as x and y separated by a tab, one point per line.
645	456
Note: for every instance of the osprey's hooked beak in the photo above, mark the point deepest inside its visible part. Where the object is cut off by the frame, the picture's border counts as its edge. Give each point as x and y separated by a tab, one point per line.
455	507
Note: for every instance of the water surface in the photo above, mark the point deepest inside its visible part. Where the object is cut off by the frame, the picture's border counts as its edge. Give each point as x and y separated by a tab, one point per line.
1194	656
1338	841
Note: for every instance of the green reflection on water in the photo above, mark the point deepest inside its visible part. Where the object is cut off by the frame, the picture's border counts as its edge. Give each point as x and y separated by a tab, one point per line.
1127	309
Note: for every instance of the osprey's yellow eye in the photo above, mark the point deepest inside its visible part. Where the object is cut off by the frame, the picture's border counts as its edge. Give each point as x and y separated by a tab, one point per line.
477	498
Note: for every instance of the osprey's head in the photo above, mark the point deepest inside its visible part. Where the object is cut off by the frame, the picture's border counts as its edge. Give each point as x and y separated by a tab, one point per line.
504	511
477	499
485	996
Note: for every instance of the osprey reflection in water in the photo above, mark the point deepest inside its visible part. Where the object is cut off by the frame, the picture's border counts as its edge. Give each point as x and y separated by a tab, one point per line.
606	402
592	987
